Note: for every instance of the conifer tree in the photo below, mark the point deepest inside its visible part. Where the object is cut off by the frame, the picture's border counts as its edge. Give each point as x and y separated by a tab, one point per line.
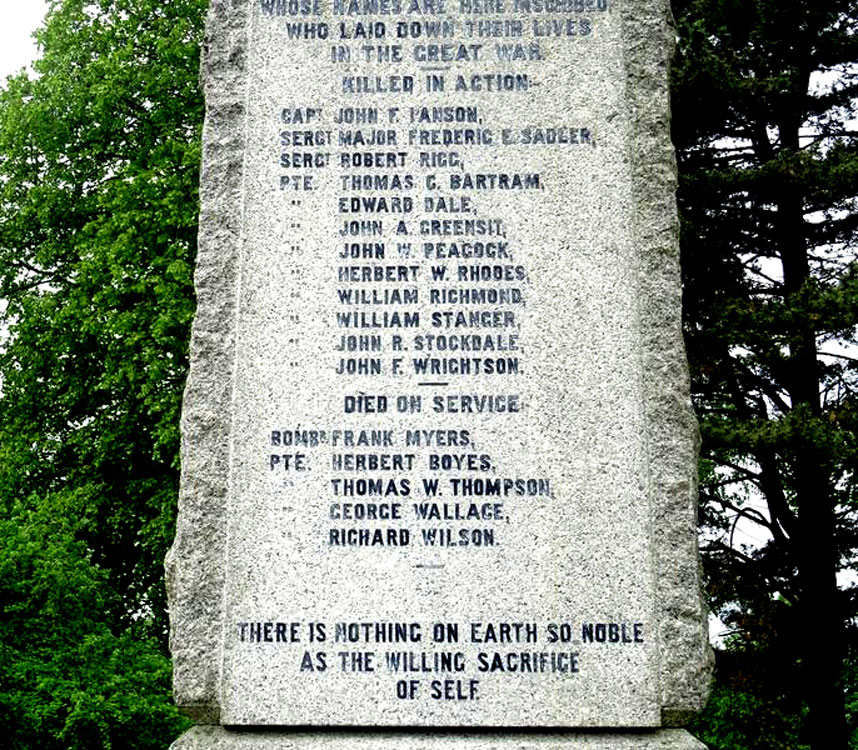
764	92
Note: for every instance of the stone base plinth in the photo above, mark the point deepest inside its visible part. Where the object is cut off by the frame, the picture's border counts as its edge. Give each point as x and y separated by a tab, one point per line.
219	738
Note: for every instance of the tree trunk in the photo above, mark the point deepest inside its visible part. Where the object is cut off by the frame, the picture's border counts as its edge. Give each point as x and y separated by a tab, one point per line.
815	546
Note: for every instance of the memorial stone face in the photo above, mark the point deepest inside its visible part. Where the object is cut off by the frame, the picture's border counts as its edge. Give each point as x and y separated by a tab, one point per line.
439	457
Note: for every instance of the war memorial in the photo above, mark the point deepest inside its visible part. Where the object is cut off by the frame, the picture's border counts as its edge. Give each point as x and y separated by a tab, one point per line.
439	459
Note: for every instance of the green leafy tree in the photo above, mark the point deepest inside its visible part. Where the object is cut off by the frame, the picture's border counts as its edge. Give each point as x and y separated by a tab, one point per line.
763	96
69	682
99	159
99	165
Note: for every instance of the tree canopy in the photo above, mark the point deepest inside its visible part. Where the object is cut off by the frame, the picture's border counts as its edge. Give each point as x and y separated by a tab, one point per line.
99	164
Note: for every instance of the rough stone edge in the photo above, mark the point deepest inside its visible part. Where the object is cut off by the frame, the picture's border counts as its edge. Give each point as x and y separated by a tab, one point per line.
685	655
219	738
195	562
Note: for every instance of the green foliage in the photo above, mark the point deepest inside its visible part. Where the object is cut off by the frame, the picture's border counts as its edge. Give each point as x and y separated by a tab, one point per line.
99	165
69	682
737	719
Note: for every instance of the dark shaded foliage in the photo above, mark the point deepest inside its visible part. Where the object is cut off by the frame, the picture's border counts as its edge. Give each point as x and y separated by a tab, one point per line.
763	95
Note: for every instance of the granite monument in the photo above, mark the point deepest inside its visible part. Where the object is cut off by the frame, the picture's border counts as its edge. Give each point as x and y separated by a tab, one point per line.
439	458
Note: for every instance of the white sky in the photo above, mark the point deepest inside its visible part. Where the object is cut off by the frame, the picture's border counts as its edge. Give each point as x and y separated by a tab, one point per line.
17	47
